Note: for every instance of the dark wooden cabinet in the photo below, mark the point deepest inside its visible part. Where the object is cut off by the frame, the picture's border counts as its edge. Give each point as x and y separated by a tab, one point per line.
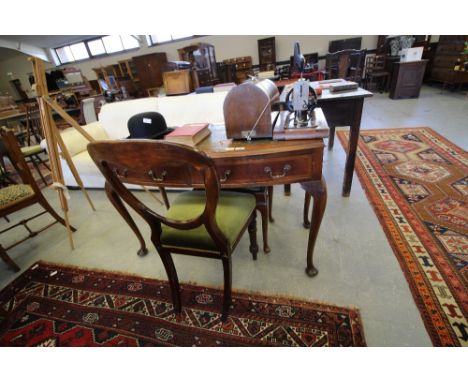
242	67
449	50
227	72
267	53
407	79
149	70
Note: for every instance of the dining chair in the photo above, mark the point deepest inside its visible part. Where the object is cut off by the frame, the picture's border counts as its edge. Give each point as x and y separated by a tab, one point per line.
376	71
206	223
347	64
15	197
33	151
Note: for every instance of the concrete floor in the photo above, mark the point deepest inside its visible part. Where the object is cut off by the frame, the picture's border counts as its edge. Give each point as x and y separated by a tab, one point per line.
356	264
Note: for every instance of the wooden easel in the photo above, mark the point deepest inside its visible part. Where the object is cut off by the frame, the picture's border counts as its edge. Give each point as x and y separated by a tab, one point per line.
53	138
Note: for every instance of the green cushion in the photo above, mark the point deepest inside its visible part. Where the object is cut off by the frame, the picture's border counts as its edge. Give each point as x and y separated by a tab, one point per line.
14	194
31	150
232	214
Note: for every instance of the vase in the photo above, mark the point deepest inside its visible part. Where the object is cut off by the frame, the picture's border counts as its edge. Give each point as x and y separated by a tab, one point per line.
406	42
394	47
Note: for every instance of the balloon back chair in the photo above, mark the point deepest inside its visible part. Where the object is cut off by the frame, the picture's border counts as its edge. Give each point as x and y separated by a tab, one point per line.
207	223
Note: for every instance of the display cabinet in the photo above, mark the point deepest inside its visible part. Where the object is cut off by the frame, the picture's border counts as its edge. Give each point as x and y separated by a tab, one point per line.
203	60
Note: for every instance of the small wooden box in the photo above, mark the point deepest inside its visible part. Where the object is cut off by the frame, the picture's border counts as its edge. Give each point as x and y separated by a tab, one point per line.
177	82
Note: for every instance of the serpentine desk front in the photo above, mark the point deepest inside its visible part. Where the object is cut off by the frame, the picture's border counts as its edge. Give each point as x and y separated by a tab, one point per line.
267	163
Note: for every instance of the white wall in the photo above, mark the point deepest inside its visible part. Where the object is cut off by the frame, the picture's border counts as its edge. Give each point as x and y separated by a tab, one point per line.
225	47
20	68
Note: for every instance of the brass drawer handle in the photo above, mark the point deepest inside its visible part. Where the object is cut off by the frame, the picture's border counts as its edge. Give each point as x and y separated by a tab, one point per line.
286	168
226	175
156	179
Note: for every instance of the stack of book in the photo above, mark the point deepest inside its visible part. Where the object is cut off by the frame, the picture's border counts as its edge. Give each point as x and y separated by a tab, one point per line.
189	134
343	86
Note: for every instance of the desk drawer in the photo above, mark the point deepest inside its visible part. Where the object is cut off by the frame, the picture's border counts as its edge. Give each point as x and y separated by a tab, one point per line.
251	171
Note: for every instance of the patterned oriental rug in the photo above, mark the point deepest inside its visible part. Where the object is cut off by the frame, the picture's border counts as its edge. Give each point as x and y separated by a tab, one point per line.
417	182
51	305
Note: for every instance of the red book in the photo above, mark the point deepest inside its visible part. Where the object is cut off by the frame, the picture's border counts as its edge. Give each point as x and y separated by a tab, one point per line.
189	134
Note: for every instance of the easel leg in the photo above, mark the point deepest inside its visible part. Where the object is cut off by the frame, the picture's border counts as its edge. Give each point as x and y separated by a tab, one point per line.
71	165
318	190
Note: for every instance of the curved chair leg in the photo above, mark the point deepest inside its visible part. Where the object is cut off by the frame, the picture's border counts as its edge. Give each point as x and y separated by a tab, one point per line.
263	209
227	295
173	279
318	190
270	204
120	207
7	259
307	197
253	235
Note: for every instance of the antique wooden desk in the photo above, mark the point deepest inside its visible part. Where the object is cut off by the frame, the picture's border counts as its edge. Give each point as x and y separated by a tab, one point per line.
265	163
340	109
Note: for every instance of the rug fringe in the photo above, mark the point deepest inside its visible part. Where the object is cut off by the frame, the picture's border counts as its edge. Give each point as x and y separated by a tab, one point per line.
244	293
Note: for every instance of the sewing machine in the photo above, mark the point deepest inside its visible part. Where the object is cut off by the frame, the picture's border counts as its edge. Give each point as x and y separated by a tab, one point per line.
301	99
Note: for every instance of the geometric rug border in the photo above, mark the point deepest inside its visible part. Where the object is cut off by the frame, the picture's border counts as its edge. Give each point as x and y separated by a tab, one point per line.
14	293
434	330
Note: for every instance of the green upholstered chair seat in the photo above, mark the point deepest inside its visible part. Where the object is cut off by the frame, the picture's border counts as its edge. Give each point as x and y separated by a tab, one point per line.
14	194
31	150
232	214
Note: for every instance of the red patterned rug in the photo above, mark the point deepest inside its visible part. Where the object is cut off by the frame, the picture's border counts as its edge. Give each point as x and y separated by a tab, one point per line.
417	182
51	305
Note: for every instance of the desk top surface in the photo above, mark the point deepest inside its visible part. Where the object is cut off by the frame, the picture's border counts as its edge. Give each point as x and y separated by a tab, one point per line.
326	94
218	146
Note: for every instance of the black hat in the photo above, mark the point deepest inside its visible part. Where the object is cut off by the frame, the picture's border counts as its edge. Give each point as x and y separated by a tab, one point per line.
149	125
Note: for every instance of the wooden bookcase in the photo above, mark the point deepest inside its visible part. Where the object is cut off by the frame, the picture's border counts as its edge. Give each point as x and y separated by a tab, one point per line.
267	53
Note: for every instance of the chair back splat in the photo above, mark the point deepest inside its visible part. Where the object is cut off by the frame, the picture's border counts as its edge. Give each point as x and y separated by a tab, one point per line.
206	223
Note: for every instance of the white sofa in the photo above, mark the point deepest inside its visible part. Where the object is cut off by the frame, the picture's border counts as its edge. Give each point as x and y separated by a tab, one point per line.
112	124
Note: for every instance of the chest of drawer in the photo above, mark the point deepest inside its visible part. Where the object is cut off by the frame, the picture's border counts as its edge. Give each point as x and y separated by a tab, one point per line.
251	171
